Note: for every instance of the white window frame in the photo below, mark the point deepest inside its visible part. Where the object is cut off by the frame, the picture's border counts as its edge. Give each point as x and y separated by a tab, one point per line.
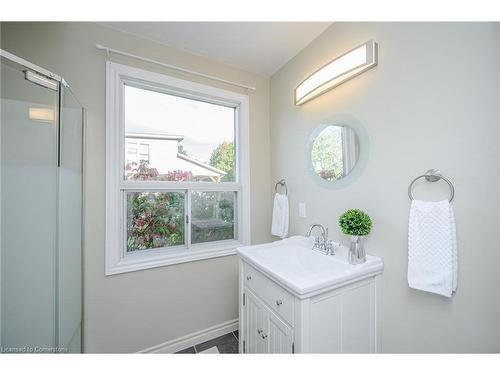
117	258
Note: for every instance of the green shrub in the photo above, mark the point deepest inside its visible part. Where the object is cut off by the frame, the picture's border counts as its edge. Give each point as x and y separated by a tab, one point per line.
154	219
355	223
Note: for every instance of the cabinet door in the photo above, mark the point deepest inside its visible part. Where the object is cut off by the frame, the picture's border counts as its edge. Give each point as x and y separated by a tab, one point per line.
280	335
255	325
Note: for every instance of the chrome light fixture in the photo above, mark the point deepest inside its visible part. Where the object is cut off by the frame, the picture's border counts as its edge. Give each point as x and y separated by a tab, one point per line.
343	68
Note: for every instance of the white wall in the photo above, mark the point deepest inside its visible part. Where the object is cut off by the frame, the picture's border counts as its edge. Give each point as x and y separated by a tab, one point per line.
431	103
133	311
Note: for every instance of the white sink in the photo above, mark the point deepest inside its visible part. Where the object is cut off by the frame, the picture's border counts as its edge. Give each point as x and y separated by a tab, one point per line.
304	272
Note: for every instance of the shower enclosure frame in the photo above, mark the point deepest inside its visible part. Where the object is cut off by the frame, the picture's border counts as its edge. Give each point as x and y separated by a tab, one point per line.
62	86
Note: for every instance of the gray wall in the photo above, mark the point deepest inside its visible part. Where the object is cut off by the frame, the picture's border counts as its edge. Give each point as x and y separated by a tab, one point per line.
133	311
431	103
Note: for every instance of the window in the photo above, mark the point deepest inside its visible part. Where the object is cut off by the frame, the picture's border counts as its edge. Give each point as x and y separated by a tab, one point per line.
177	170
136	153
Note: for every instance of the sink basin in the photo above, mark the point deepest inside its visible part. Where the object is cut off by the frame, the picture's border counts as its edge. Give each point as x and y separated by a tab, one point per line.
304	272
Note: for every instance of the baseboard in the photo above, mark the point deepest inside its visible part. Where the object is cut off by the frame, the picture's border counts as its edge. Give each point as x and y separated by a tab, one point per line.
192	339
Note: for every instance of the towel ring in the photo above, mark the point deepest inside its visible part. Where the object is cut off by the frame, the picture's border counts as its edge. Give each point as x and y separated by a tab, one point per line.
432	175
281	183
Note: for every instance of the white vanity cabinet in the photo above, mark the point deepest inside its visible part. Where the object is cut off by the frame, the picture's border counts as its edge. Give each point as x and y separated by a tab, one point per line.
264	331
278	317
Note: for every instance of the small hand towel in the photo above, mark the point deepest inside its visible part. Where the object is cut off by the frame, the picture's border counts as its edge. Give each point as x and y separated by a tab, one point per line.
432	248
279	225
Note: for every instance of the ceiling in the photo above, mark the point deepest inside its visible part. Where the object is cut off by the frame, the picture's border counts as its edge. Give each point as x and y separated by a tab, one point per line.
259	47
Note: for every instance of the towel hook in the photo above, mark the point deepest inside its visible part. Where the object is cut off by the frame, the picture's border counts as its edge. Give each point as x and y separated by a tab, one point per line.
432	175
281	183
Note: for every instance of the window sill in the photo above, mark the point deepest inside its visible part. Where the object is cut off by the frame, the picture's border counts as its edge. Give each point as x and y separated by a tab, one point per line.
166	257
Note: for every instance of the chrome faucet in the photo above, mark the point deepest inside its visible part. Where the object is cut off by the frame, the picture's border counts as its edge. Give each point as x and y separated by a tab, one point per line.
323	244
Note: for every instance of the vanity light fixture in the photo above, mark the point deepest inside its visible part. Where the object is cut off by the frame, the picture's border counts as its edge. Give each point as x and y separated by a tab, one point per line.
341	69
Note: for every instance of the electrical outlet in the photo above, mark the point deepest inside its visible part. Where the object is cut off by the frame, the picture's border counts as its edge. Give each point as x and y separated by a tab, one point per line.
302	210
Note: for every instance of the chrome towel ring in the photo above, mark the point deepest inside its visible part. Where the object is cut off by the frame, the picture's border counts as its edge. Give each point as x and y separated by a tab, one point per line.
281	183
433	175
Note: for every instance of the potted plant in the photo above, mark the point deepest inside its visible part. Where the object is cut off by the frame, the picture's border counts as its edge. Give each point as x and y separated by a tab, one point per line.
357	224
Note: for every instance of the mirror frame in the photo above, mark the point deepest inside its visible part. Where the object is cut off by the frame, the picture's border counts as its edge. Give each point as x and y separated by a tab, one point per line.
364	149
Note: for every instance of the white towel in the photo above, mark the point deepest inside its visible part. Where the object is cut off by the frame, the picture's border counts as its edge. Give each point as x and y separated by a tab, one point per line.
432	248
279	225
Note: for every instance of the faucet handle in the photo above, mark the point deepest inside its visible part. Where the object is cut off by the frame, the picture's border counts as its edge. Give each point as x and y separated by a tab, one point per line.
316	242
329	247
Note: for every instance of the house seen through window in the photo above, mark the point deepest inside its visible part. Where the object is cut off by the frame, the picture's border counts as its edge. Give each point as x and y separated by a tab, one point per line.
170	138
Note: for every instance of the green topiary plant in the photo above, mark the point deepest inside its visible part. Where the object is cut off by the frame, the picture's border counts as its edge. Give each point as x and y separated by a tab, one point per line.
355	222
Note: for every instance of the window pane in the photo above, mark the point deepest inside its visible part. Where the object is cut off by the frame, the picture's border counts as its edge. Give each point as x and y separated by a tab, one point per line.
185	139
213	216
154	219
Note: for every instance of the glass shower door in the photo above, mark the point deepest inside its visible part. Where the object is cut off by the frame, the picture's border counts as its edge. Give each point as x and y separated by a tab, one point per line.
28	205
70	223
40	221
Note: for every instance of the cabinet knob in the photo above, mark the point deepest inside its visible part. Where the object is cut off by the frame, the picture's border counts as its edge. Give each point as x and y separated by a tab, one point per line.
264	336
279	302
249	277
259	331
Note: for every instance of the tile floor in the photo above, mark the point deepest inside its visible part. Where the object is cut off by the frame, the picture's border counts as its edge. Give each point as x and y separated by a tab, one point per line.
226	344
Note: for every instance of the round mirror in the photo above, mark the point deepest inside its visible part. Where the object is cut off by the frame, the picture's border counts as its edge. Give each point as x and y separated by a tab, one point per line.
334	151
